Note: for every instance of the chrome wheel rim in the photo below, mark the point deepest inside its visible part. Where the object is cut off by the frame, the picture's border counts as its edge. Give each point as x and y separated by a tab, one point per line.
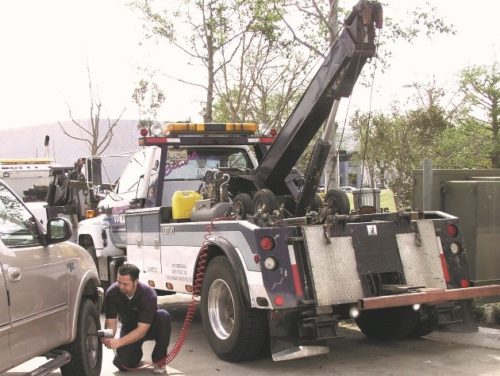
221	309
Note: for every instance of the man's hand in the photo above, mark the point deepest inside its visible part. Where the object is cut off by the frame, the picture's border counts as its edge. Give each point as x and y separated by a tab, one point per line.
111	343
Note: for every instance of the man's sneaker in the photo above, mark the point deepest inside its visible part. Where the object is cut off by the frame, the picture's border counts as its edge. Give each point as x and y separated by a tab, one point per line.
159	370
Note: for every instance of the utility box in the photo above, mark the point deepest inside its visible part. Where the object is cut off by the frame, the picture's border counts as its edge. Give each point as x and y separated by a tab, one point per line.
367	197
474	197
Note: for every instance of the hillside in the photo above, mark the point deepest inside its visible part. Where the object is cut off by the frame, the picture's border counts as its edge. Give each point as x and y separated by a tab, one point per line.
27	142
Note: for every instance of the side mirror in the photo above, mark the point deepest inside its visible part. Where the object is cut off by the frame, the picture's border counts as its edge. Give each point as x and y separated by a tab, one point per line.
58	230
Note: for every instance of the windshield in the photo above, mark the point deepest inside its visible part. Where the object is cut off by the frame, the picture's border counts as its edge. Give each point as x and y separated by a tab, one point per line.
131	176
183	164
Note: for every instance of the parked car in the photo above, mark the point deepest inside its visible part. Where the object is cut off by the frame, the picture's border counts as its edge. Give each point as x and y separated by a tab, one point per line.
50	296
348	188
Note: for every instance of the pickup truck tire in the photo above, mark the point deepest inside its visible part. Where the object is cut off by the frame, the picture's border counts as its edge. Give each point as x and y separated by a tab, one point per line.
235	333
242	205
388	324
337	201
86	349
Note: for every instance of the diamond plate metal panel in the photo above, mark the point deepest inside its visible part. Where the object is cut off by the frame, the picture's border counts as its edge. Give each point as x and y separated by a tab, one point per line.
420	256
334	272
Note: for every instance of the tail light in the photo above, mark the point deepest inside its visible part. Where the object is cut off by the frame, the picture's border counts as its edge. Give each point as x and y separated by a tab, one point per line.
452	230
267	243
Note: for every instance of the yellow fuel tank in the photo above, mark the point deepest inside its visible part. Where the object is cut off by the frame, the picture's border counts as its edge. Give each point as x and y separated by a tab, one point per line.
183	203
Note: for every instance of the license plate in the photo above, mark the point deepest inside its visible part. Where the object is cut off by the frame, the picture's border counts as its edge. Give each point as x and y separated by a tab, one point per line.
177	155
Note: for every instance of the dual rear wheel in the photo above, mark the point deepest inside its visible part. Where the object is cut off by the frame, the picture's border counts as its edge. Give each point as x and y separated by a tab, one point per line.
235	332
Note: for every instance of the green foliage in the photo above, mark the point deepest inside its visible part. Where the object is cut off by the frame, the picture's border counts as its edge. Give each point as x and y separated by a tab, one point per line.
149	98
481	87
467	145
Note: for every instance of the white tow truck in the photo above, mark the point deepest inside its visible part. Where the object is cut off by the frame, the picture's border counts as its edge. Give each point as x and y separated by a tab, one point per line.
216	210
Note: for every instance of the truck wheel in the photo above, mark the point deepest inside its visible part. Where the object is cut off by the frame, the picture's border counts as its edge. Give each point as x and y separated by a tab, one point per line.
234	332
388	324
337	201
86	349
428	322
264	200
242	205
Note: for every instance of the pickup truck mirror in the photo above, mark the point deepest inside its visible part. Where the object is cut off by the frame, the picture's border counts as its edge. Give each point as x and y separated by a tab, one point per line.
58	230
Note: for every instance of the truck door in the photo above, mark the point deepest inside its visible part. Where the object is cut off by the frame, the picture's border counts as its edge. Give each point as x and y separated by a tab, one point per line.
134	190
5	357
36	278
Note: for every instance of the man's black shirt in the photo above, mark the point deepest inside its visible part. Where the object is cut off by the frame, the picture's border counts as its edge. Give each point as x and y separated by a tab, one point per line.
140	308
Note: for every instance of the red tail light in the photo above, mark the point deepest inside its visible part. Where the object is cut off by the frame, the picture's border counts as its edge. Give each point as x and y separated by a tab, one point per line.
452	230
279	300
267	243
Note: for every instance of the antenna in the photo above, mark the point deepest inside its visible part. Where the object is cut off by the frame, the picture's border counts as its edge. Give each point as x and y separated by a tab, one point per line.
46	144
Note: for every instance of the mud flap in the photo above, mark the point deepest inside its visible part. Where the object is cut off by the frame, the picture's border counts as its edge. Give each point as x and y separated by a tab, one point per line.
293	337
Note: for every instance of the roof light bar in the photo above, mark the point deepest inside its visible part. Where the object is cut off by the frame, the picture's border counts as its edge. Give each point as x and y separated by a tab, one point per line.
233	128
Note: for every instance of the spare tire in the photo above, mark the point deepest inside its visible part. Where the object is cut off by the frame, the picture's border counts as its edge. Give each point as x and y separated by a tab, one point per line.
264	200
337	201
242	205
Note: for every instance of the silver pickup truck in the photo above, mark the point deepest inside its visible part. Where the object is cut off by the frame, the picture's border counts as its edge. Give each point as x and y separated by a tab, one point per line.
50	295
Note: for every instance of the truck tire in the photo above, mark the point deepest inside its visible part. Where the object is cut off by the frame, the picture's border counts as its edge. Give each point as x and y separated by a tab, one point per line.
264	200
235	333
428	322
337	201
86	349
388	324
242	205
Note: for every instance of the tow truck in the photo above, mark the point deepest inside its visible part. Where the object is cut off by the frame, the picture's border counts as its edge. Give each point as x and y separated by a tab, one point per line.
216	210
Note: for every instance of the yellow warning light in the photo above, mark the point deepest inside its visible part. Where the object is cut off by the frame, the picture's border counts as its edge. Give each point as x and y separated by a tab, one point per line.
90	213
221	128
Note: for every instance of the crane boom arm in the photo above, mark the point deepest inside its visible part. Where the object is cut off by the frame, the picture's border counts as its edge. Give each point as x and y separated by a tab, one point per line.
334	79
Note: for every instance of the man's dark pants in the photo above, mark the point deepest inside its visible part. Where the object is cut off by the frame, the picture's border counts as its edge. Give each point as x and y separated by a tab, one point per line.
130	355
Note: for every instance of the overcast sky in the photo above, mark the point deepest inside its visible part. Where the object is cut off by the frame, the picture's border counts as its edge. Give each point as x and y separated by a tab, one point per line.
47	45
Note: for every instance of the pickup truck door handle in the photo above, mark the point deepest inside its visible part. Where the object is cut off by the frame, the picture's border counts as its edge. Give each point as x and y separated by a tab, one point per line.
14	274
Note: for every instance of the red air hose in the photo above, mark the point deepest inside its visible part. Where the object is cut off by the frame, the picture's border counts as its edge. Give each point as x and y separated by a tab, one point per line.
198	280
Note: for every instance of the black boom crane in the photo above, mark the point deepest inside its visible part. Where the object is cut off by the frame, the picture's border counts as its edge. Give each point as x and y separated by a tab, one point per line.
334	79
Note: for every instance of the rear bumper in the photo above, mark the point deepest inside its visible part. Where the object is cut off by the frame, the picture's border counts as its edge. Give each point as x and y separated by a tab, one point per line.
428	296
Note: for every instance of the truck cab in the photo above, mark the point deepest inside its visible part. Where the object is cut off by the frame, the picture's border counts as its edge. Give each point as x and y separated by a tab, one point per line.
189	155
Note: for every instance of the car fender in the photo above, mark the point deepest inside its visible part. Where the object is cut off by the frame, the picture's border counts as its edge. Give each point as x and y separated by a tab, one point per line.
89	288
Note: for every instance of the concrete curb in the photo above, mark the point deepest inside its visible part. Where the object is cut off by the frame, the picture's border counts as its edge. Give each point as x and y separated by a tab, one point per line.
484	337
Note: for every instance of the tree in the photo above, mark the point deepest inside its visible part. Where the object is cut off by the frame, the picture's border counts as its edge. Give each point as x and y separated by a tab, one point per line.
324	17
467	145
96	141
216	32
481	87
149	98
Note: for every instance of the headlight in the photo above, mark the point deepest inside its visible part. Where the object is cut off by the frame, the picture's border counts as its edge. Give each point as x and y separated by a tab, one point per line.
157	129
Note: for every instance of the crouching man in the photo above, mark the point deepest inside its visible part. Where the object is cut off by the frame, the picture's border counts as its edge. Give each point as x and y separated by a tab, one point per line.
135	304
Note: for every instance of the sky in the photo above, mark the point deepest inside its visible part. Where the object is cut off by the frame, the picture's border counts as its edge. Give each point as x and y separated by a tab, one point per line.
48	45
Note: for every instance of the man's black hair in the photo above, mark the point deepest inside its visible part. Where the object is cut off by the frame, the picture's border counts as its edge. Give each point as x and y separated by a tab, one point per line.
129	269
